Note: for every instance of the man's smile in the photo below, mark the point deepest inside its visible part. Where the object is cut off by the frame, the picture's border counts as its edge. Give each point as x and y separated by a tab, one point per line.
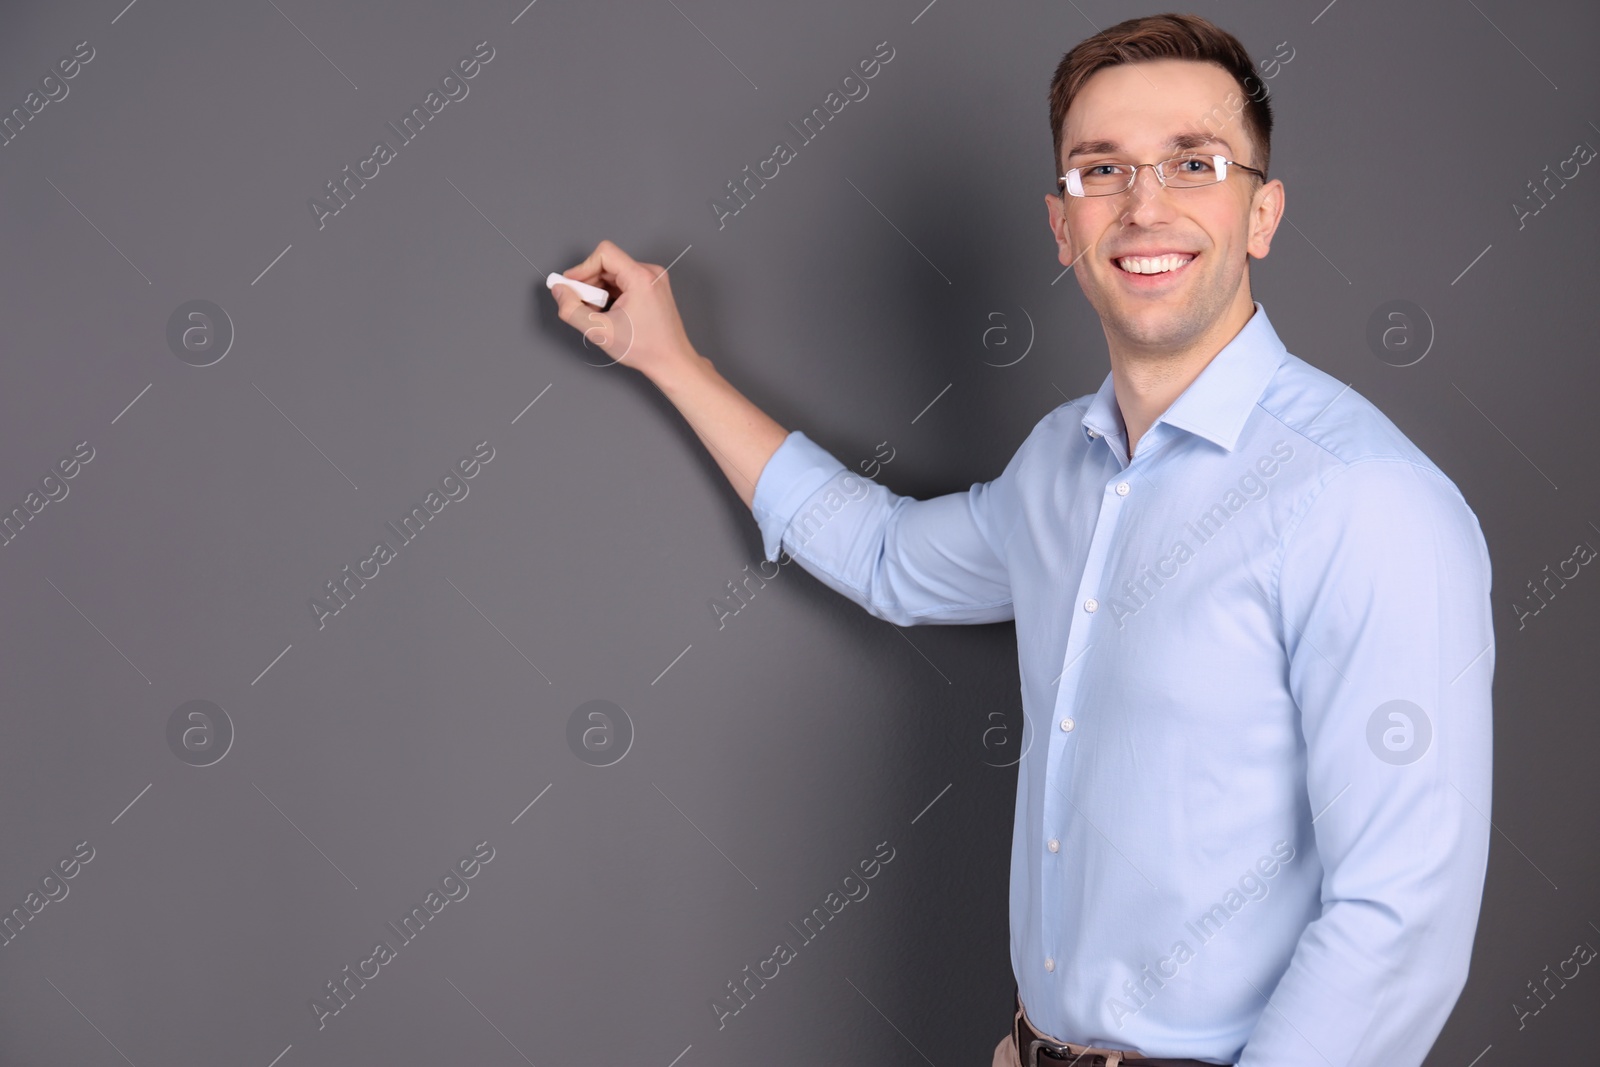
1152	272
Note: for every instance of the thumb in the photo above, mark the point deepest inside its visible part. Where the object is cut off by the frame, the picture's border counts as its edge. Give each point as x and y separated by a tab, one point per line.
567	302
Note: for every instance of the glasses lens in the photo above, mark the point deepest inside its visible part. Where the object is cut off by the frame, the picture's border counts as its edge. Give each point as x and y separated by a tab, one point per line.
1104	179
1187	171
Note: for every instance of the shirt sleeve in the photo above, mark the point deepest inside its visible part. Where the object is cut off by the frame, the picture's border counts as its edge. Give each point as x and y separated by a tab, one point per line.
904	560
1383	594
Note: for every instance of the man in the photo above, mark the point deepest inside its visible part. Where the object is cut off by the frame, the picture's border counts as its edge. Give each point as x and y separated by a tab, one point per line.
1252	618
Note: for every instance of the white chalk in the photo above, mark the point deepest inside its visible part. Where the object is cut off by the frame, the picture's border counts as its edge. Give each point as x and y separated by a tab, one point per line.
591	294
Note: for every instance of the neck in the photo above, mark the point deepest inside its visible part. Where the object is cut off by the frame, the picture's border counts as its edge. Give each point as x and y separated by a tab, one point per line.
1147	380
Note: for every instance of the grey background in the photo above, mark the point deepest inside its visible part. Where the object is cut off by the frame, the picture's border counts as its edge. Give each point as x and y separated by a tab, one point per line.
774	753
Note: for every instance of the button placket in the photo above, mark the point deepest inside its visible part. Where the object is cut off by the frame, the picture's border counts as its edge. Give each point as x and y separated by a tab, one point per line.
1080	622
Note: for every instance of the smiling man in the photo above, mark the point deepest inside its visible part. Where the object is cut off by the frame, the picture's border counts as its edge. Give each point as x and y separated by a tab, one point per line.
1253	623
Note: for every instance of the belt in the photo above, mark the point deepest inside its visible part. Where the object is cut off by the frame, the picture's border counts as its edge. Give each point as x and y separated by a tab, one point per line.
1035	1049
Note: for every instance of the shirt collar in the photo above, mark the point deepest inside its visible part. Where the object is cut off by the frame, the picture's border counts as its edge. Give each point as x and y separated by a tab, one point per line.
1221	397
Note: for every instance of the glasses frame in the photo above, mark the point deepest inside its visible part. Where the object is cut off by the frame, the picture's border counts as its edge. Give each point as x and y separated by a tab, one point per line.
1072	181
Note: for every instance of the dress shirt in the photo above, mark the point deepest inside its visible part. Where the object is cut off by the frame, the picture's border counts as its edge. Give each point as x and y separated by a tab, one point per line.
1252	809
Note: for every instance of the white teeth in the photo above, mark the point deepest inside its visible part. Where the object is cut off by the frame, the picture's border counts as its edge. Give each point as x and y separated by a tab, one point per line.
1153	264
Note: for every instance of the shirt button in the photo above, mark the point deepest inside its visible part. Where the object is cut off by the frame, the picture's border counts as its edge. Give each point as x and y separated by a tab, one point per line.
1093	434
1091	604
1054	846
1067	724
1049	963
1122	488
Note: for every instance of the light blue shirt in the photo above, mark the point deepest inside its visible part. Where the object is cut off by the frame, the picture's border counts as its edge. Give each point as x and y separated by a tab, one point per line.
1256	664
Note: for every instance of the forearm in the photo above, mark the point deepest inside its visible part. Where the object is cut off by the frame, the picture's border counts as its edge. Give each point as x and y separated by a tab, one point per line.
738	434
906	560
644	323
1363	989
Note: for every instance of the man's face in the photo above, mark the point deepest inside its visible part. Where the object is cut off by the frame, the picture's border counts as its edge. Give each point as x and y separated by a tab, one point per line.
1139	108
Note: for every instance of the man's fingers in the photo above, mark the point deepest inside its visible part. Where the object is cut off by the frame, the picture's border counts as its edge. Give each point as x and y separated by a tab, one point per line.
570	307
606	263
618	272
596	326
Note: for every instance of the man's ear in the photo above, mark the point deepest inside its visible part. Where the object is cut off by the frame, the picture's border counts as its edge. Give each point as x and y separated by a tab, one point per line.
1057	209
1266	211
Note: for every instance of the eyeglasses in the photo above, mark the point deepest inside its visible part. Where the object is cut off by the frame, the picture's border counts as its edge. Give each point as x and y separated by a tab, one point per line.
1182	172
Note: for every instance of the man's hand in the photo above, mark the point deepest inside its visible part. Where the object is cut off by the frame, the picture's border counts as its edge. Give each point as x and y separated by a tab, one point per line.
640	327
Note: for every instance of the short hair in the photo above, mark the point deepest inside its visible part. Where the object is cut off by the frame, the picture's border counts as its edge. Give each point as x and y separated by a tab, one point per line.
1169	36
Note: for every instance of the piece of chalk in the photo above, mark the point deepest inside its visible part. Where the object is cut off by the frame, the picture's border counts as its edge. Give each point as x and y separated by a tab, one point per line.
591	294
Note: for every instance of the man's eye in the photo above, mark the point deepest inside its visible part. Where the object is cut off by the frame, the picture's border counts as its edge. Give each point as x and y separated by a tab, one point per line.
1101	170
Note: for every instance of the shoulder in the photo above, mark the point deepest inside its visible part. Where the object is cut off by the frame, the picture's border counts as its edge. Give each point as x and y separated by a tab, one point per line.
1349	439
1367	490
1059	429
1333	417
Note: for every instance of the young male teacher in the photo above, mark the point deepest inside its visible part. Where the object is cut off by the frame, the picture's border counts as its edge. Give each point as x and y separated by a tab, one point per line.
1252	618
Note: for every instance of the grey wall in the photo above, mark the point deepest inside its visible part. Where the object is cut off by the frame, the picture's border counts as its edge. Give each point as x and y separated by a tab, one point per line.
351	765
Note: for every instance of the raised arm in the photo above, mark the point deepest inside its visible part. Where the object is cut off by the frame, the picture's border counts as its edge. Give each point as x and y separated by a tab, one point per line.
903	560
640	328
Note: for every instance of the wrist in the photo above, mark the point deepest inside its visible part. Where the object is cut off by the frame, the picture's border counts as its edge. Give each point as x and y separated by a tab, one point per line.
683	372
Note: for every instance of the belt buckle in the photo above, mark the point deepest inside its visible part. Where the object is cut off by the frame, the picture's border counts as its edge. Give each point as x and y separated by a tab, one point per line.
1107	1057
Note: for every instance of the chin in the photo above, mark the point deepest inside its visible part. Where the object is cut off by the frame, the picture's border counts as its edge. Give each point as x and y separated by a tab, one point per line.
1158	327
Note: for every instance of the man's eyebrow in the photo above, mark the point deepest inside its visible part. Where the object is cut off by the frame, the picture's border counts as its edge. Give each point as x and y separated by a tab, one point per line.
1179	141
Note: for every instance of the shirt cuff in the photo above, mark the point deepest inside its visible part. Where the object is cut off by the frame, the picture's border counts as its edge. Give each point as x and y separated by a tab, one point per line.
796	470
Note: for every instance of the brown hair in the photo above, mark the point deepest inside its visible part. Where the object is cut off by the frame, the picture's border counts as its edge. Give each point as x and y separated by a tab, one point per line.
1168	36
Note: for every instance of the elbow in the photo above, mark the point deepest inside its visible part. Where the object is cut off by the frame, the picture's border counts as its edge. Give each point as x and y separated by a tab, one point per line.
891	612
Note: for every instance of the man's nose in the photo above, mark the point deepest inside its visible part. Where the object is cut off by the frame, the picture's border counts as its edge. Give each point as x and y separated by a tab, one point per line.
1146	196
